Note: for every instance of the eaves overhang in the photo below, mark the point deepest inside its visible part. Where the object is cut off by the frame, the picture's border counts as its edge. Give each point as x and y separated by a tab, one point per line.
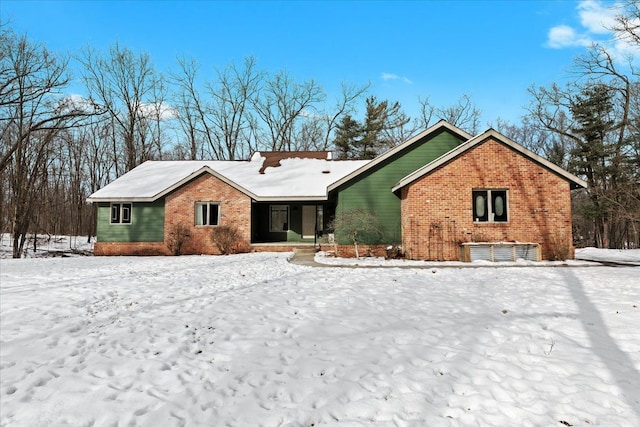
197	173
574	181
174	186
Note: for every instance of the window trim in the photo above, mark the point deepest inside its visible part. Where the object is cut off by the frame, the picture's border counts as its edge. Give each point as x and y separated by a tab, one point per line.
197	209
288	219
489	201
122	207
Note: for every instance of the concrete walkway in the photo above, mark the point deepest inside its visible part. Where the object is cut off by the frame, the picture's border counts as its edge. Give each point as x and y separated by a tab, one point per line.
306	257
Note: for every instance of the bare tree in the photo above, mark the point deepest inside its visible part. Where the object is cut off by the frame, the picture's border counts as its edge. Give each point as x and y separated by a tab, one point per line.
217	120
32	115
192	112
463	114
627	26
125	84
281	105
345	104
230	112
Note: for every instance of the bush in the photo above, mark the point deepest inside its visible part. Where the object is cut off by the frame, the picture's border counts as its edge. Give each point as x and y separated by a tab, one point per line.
558	248
178	237
228	240
358	226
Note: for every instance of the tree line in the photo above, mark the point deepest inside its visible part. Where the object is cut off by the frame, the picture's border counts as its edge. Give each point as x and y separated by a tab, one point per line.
57	148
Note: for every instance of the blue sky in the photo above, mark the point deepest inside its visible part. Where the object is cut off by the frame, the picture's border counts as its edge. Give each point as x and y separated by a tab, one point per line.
490	50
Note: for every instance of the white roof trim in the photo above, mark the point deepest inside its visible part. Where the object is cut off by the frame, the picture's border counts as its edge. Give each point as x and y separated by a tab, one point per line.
477	140
198	173
442	124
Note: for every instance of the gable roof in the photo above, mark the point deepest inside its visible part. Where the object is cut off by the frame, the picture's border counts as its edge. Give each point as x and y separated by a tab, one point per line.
491	133
291	179
438	127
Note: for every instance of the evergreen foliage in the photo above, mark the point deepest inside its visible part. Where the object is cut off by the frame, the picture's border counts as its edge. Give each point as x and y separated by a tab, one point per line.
365	141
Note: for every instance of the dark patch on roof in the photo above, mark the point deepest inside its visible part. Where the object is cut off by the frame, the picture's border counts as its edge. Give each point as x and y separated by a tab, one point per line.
272	158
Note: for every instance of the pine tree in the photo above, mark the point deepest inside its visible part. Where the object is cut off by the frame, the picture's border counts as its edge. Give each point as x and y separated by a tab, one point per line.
348	133
592	156
365	141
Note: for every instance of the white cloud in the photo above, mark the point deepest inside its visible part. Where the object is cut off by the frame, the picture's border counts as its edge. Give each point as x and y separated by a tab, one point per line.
595	17
596	22
391	76
78	103
161	111
565	36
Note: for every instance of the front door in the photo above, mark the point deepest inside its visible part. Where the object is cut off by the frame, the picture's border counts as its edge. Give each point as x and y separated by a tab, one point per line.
308	221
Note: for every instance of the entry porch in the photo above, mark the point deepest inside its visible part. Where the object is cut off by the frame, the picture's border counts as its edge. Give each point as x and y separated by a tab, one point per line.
290	224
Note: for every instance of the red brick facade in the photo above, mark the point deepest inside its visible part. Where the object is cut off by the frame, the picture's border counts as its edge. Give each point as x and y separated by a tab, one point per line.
349	251
437	211
179	208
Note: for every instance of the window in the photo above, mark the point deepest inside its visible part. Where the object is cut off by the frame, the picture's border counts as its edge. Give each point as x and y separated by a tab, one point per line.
207	213
278	218
490	205
120	213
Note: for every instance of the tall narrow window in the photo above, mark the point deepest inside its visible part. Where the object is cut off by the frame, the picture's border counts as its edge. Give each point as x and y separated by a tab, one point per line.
499	205
120	213
319	219
480	211
278	218
207	213
490	205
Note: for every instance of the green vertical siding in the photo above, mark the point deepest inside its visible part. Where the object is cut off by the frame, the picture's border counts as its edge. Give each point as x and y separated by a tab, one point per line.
147	224
372	190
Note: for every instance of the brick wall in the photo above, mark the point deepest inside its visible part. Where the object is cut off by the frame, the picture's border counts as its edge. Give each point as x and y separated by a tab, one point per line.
437	212
130	248
349	251
235	210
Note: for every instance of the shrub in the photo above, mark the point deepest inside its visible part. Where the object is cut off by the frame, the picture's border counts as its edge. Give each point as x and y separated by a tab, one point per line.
178	236
228	240
558	248
359	226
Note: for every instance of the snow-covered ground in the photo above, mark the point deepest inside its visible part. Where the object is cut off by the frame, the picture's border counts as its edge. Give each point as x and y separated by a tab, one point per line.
584	257
249	340
620	256
48	246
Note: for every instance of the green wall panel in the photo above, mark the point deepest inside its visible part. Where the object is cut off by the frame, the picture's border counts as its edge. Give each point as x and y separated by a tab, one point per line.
372	190
147	224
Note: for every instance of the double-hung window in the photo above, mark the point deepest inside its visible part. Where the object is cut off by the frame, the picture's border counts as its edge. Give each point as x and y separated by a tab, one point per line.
490	206
278	218
207	213
120	213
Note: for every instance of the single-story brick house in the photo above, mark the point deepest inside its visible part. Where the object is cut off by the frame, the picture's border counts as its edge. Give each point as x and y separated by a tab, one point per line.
428	192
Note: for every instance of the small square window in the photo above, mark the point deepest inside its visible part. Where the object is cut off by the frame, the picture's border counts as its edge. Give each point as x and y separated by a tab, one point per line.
207	213
490	205
120	213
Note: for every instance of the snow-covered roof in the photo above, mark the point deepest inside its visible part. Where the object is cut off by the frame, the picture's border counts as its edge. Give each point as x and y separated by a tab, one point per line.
294	178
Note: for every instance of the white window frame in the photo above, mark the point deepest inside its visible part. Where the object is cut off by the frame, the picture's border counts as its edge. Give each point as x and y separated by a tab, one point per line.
277	227
122	209
489	201
202	220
